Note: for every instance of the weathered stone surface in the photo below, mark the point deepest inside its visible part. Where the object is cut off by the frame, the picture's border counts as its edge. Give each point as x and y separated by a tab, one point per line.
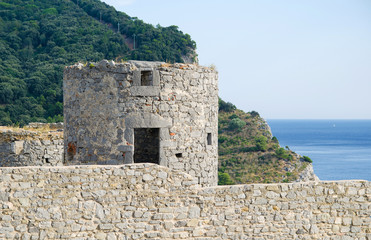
22	147
105	105
75	202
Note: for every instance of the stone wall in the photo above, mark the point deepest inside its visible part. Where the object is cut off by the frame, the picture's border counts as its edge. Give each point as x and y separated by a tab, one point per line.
148	201
105	102
32	146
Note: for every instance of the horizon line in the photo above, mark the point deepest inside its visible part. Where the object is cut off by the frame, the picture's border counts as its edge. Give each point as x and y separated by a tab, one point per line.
366	119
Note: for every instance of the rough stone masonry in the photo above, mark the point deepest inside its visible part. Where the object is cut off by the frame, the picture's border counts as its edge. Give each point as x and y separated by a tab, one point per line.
136	112
30	146
148	201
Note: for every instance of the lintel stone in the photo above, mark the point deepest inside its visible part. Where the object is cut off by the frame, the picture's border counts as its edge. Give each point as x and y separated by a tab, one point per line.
125	148
147	120
145	91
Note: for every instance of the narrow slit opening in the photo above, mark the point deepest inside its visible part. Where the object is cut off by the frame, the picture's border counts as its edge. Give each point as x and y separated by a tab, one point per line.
209	139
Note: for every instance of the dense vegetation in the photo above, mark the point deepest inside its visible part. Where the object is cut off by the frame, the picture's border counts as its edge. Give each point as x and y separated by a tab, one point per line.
39	37
249	154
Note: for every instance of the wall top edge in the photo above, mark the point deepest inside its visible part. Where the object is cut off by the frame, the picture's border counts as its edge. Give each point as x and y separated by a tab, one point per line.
131	65
139	166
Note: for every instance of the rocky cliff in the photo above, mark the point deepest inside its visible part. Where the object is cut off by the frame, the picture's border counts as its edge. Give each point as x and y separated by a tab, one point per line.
248	153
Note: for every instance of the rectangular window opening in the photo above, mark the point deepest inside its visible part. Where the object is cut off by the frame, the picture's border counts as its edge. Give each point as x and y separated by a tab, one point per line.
209	139
146	78
179	155
147	145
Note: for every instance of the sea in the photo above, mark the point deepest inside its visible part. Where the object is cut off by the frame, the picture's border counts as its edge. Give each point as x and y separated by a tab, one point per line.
340	149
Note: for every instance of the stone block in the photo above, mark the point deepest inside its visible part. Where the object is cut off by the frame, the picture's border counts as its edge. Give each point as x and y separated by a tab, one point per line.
194	212
147	177
125	148
271	194
144	91
17	147
107	226
4	196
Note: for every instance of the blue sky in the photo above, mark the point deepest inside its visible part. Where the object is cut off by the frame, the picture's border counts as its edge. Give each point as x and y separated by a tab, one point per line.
290	59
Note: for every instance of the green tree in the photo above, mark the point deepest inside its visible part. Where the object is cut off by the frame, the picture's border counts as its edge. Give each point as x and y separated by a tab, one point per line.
307	159
5	119
261	143
224	179
226	106
236	124
282	153
254	114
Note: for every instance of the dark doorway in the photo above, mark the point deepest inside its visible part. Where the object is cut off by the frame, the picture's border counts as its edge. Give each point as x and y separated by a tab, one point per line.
147	145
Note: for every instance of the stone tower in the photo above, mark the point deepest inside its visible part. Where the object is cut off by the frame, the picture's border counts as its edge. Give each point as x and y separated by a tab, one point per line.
134	112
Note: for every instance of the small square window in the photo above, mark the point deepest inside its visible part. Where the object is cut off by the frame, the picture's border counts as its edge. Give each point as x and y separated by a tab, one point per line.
146	78
179	155
209	139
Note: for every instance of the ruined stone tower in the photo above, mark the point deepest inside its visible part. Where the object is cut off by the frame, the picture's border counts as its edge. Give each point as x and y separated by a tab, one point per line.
138	112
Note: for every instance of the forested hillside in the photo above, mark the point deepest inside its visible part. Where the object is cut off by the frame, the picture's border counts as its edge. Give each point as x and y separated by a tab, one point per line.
39	37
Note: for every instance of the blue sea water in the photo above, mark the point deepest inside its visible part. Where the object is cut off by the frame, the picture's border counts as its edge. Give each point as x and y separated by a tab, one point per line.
340	149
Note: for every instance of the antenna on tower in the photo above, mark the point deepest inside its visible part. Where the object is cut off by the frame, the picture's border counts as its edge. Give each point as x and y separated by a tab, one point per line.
118	27
100	16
